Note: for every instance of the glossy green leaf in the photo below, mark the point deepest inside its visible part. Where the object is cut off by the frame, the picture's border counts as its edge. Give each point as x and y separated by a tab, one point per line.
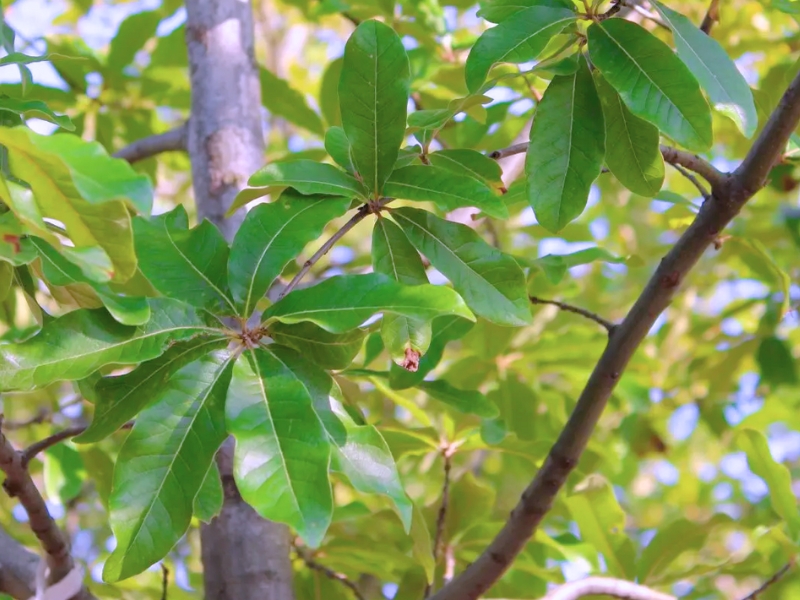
496	11
183	263
566	150
344	302
470	163
373	98
652	81
163	463
271	236
328	350
776	363
282	100
119	399
75	345
208	502
308	177
338	148
34	109
446	188
465	401
715	71
633	153
282	452
775	475
516	40
492	283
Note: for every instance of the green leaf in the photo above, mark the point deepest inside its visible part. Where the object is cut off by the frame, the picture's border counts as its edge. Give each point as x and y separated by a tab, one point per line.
188	264
163	463
131	36
76	345
652	81
344	302
282	452
566	150
329	93
470	163
308	177
210	497
406	338
373	98
328	350
775	475
555	266
465	401
338	148
119	399
282	100
446	188
34	109
64	472
515	40
271	236
775	360
492	283
715	71
496	11
633	153
422	548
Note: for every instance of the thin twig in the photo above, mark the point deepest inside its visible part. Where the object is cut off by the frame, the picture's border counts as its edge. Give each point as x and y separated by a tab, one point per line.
361	214
164	581
647	14
172	140
781	572
447	452
606	586
43	415
329	573
609	326
712	16
59	436
690	176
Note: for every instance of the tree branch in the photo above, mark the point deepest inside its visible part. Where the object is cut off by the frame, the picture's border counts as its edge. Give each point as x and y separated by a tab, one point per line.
606	586
729	196
174	139
696	182
763	587
712	16
608	325
31	451
447	452
329	573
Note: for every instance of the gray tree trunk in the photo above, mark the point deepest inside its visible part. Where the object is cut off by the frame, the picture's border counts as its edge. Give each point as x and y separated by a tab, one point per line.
245	557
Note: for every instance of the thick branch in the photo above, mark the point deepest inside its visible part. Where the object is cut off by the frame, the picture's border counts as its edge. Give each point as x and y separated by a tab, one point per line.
174	139
729	196
606	586
608	325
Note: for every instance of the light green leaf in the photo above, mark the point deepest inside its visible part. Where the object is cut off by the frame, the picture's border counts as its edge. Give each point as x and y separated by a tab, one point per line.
308	177
516	40
131	36
210	497
652	81
715	71
492	283
282	100
344	302
567	146
34	109
328	350
555	266
775	475
183	263
64	472
446	188
282	452
373	98
119	399
633	152
271	236
163	463
76	345
465	401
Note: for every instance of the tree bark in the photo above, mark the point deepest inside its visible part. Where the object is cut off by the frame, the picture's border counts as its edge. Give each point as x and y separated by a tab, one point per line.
245	557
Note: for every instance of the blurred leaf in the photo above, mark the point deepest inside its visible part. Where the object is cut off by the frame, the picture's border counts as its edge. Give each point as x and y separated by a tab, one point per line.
466	401
34	109
776	363
282	100
64	473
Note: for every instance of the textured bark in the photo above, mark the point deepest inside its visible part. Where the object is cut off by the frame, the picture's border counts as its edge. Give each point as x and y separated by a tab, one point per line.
17	568
244	556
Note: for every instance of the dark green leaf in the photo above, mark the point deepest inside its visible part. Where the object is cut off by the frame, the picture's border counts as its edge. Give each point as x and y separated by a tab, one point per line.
491	282
308	177
282	100
653	82
373	98
775	360
329	350
566	150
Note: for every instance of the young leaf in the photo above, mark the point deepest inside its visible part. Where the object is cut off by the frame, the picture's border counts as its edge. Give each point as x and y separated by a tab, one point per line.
119	399
566	150
308	177
282	454
328	350
210	497
466	401
516	40
76	345
282	100
271	236
653	82
406	338
633	153
446	188
163	463
492	283
344	302
189	264
373	98
715	71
